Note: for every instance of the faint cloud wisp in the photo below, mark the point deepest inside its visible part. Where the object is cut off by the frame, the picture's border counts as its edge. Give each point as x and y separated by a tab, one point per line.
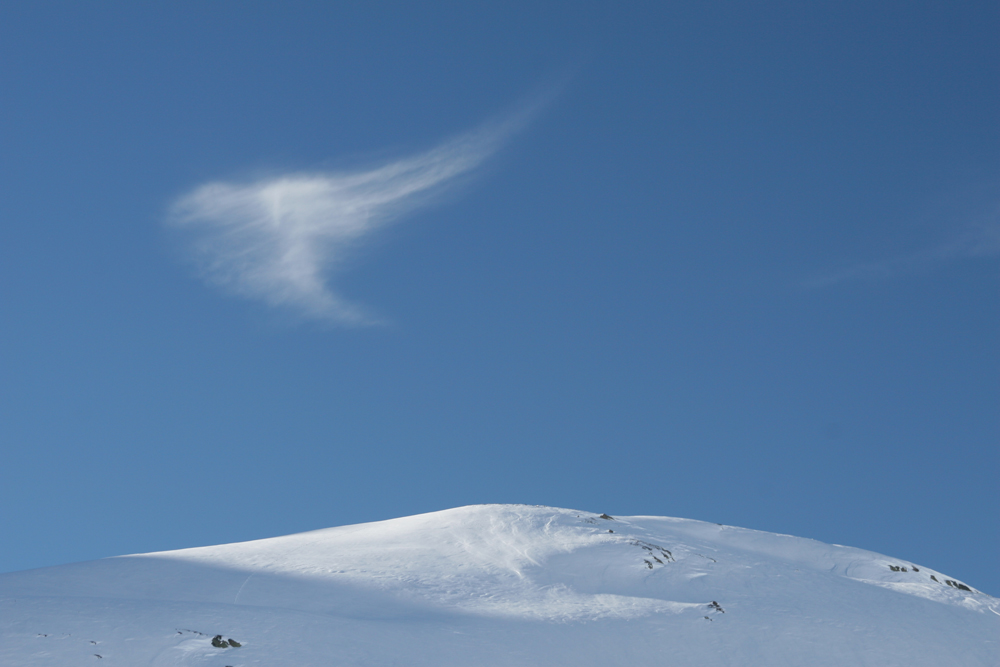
277	239
980	240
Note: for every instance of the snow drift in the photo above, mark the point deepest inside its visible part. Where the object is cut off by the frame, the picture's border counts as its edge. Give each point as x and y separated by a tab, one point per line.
500	585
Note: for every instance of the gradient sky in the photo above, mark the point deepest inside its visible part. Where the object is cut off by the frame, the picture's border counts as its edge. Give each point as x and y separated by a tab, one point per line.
273	267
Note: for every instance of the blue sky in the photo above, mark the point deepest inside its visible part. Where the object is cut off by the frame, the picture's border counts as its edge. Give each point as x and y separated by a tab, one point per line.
272	267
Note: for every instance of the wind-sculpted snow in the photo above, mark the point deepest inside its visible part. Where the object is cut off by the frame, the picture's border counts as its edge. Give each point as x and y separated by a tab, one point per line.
501	585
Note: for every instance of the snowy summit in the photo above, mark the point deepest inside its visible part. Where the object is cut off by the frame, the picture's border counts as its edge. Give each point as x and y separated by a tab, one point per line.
500	585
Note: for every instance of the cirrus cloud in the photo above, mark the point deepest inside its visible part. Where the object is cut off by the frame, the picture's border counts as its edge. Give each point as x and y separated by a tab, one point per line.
277	239
979	240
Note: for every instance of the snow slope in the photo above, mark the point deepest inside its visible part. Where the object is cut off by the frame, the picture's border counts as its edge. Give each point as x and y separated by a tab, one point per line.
501	585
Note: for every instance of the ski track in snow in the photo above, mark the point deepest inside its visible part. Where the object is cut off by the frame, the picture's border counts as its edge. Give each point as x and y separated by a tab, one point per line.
500	585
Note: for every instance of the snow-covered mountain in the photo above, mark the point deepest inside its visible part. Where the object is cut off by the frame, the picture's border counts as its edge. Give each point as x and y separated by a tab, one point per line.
500	585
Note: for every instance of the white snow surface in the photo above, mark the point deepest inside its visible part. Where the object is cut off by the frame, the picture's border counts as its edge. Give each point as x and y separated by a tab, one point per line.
492	585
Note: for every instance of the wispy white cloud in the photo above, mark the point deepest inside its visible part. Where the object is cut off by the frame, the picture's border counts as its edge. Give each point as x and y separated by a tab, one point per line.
278	239
979	240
